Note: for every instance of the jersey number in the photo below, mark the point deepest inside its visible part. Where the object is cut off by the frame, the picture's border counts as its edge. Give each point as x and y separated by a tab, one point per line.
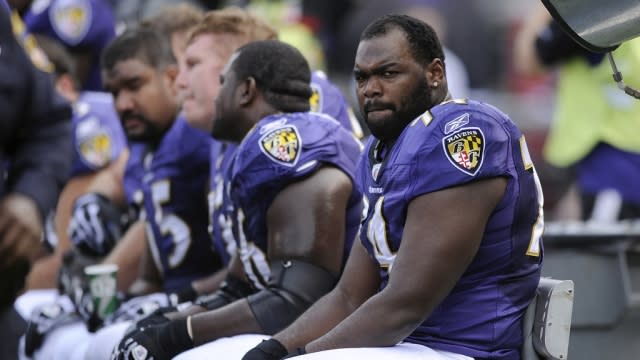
169	224
377	235
538	226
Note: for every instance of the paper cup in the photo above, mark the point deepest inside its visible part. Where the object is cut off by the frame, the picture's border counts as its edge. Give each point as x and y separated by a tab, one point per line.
103	287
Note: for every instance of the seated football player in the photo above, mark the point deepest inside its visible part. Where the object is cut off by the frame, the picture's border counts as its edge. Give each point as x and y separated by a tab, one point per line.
166	177
295	211
198	81
450	251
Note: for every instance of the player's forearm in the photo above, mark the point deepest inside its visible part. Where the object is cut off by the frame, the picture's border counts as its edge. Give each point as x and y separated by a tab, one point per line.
109	182
127	253
324	315
233	319
383	320
143	287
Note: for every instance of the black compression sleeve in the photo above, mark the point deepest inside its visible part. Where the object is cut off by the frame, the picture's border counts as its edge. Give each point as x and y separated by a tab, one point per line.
293	287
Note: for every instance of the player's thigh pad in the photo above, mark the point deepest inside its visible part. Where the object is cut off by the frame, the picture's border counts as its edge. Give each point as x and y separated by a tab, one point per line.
402	351
230	348
105	340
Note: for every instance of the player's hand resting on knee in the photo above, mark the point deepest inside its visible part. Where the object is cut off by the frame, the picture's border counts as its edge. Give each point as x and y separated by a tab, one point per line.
270	349
160	342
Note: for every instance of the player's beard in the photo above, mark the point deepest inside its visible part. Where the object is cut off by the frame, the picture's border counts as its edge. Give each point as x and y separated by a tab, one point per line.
150	131
389	128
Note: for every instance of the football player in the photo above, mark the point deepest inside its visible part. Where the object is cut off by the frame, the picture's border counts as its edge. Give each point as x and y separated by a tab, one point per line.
204	59
450	247
295	210
166	174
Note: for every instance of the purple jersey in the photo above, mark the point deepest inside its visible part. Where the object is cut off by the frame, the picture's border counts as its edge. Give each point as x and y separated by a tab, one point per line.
98	137
283	149
326	98
170	186
220	206
455	143
83	25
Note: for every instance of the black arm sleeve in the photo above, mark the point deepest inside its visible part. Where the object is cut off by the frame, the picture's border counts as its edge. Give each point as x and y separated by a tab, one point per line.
554	46
293	287
39	145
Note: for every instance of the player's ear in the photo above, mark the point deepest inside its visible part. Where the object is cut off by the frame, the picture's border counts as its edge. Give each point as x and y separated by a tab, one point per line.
171	73
434	72
247	91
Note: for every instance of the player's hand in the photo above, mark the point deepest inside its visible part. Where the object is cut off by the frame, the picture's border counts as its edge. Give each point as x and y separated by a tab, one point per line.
20	230
156	318
141	308
71	279
95	225
270	349
161	342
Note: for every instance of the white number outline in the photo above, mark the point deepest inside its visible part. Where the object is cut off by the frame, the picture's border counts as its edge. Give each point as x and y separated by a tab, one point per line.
377	235
253	259
169	224
538	226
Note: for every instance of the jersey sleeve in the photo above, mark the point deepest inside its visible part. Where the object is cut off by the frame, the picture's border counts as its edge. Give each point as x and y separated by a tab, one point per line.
85	23
275	156
96	144
463	146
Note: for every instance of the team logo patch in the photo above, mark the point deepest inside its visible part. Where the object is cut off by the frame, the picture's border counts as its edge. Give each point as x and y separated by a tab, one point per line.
316	98
96	150
71	19
282	145
93	142
465	149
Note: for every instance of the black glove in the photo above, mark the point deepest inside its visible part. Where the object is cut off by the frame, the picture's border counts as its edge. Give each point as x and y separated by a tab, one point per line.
161	342
139	307
73	283
42	321
71	274
96	224
270	349
156	318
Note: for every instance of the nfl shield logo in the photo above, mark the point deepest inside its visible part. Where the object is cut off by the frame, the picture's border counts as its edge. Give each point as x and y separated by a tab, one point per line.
282	145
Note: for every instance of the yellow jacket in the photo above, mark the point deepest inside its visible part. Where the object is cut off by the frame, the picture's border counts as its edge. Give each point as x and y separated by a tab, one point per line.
591	109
